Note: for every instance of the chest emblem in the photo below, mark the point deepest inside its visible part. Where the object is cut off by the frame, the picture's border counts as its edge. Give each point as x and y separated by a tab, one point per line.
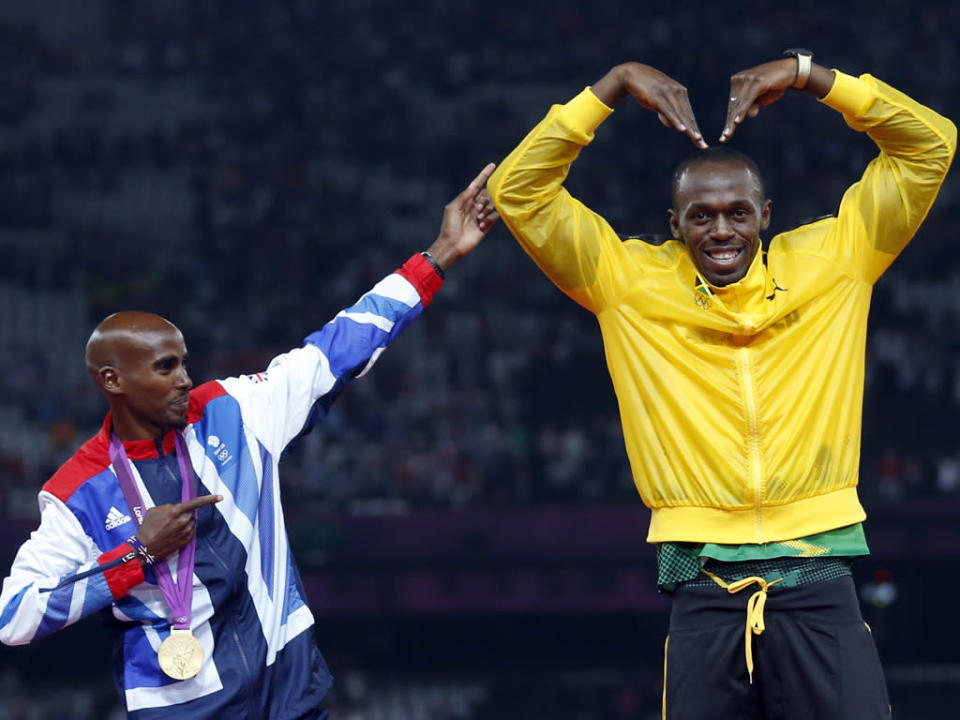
220	451
115	519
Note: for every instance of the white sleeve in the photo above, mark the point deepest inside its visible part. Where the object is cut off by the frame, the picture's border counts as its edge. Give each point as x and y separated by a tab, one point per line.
298	387
42	594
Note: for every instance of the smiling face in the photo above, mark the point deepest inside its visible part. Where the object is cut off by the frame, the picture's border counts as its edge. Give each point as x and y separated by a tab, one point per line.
719	211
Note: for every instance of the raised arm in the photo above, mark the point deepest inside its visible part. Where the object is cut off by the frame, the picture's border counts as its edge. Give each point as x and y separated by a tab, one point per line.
574	246
881	212
654	91
764	84
299	386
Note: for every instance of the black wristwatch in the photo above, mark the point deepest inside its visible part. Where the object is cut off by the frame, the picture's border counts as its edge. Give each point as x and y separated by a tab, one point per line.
436	266
804	63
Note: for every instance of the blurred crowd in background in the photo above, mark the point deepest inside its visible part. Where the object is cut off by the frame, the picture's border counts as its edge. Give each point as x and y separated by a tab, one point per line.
246	174
248	168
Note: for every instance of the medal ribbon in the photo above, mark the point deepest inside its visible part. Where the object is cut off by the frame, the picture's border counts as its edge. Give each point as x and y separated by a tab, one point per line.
178	594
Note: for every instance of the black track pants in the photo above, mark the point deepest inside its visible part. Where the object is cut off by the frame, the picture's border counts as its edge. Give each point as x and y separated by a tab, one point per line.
816	660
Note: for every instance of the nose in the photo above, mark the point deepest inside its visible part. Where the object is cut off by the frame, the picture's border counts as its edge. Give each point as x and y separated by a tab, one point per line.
722	229
183	379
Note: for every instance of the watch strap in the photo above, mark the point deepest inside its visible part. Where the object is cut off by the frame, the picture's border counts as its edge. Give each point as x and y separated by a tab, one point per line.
804	64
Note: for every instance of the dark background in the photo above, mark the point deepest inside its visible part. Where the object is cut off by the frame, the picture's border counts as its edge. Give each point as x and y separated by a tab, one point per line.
465	518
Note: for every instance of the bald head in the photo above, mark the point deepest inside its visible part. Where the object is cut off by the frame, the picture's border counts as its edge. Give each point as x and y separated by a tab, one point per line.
118	336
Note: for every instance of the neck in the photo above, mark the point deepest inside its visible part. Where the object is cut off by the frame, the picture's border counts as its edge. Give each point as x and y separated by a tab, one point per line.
129	428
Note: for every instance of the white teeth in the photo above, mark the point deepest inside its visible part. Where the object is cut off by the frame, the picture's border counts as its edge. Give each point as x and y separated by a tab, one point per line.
724	255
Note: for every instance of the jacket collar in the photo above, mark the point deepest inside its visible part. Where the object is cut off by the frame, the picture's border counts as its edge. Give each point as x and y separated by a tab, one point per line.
137	449
747	295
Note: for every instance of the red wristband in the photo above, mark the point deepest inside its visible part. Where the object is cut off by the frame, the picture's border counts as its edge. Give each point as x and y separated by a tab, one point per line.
125	576
420	273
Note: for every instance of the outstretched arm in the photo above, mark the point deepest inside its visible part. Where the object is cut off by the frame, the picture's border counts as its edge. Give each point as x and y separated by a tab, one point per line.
299	386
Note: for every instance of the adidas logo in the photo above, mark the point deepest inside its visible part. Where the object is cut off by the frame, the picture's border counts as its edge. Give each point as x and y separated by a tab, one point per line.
115	519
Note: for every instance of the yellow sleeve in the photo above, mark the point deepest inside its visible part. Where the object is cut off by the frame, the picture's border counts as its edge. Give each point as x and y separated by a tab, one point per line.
574	246
881	212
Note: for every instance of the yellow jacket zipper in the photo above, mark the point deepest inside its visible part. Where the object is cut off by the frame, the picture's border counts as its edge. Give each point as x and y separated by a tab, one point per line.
753	437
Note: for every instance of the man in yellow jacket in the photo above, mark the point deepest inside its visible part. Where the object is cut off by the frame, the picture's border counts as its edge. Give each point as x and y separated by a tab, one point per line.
739	375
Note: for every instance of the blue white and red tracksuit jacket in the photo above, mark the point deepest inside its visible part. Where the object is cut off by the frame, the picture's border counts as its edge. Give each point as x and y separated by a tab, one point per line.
249	611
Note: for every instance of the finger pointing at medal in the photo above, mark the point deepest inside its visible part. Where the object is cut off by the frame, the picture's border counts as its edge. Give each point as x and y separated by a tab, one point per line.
170	528
167	528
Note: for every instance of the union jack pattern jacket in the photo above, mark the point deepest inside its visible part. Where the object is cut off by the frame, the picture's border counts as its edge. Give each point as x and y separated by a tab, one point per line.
249	609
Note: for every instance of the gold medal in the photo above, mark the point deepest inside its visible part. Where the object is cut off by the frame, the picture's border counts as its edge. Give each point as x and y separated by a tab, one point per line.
180	655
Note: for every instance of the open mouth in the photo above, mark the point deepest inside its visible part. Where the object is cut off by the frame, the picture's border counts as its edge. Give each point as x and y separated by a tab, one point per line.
725	256
182	404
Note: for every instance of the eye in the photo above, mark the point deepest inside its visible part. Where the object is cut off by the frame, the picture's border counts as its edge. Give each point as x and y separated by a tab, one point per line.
166	366
741	213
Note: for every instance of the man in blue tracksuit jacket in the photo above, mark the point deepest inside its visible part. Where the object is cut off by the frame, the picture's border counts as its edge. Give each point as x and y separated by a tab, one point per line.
247	609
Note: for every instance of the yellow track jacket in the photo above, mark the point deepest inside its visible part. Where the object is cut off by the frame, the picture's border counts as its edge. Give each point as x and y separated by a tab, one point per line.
741	406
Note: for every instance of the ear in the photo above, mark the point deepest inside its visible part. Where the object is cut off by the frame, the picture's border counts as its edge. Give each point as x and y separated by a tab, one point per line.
110	380
765	214
674	224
